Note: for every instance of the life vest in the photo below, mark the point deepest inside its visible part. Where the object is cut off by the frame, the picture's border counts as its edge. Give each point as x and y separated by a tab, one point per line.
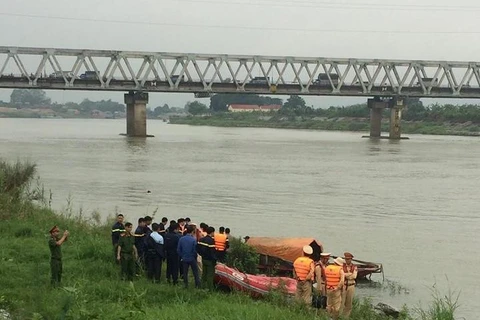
349	269
302	267
220	241
332	275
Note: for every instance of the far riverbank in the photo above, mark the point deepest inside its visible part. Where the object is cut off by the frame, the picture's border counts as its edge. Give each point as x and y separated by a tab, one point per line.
323	123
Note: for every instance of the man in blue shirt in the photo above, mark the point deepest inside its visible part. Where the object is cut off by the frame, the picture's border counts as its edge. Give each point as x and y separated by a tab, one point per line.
187	250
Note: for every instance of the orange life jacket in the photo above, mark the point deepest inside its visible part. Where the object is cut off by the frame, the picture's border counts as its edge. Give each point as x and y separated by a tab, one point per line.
332	275
302	267
220	241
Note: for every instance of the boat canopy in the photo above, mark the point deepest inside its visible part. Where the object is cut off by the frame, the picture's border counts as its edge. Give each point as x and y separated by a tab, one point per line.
287	249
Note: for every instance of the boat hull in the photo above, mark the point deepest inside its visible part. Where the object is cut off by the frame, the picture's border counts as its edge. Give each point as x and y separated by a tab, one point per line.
254	285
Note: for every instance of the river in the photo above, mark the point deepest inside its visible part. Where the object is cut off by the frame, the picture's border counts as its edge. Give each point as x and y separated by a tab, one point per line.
411	205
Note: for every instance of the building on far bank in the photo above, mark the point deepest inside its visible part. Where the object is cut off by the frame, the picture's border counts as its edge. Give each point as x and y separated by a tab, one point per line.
253	107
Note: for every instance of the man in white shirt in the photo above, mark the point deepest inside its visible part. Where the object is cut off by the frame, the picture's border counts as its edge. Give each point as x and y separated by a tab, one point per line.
155	254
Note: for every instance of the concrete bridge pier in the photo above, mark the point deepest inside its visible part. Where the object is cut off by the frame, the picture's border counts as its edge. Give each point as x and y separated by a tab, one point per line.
136	114
376	110
396	118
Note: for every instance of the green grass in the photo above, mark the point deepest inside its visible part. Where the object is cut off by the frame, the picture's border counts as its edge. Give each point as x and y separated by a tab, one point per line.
91	288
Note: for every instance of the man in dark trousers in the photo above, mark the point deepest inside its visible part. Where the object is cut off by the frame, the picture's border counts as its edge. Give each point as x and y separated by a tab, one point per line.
117	229
55	244
155	254
173	260
187	250
140	243
206	248
127	253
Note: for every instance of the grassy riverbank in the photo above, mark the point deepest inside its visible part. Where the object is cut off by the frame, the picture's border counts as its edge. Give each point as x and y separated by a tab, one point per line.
91	288
323	123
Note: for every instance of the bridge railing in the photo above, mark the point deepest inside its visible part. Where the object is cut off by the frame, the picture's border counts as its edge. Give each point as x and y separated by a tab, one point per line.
182	72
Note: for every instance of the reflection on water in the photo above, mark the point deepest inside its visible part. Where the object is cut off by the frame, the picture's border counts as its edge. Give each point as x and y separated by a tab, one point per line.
405	204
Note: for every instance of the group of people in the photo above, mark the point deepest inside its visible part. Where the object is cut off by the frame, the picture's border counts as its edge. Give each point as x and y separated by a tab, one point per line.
183	245
334	282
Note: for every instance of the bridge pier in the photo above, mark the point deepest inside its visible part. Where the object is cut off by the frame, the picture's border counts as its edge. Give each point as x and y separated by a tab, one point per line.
376	110
136	113
396	118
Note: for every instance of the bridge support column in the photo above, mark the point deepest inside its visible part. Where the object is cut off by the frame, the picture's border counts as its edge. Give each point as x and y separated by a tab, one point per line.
136	113
376	110
396	118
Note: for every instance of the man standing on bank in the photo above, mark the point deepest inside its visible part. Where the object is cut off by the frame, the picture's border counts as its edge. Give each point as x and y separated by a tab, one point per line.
303	271
334	277
350	271
187	250
155	253
117	229
55	244
206	248
127	253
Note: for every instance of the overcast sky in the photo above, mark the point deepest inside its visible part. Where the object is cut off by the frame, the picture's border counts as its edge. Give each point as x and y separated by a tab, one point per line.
413	29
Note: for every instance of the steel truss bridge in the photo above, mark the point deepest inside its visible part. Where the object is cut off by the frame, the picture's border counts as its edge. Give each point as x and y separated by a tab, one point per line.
205	74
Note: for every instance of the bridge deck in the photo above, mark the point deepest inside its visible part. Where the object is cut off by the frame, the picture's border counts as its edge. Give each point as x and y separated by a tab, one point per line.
106	70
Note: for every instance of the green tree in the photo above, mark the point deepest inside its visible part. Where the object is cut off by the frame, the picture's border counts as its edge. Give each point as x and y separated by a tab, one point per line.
162	110
295	102
415	110
295	106
29	97
196	108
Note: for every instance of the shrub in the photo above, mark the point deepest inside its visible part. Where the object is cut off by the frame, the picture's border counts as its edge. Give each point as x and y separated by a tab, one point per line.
242	256
15	178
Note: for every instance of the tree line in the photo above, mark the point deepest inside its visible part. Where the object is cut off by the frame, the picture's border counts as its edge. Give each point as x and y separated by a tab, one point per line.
294	106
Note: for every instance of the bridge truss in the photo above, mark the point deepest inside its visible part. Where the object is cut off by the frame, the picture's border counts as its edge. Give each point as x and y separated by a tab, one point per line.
204	74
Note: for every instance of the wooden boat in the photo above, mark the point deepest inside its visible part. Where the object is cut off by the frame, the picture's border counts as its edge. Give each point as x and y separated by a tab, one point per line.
255	285
277	255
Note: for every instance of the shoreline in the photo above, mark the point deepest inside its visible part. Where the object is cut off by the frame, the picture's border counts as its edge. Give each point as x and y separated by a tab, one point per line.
333	124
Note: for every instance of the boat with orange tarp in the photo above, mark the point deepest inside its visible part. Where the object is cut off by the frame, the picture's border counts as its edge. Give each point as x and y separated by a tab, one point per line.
278	254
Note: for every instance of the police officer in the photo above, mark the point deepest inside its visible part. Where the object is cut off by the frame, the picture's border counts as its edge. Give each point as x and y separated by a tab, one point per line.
334	277
55	244
173	260
350	271
320	278
206	248
140	243
155	253
117	229
303	271
127	253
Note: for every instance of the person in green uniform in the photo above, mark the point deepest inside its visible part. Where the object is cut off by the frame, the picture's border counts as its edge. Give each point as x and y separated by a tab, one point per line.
55	244
127	253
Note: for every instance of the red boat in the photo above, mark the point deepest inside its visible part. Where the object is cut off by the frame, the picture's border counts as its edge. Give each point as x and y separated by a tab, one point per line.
255	285
277	255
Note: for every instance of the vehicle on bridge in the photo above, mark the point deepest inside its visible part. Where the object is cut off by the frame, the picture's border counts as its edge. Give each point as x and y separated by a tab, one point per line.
61	74
323	80
261	80
429	82
90	75
175	77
